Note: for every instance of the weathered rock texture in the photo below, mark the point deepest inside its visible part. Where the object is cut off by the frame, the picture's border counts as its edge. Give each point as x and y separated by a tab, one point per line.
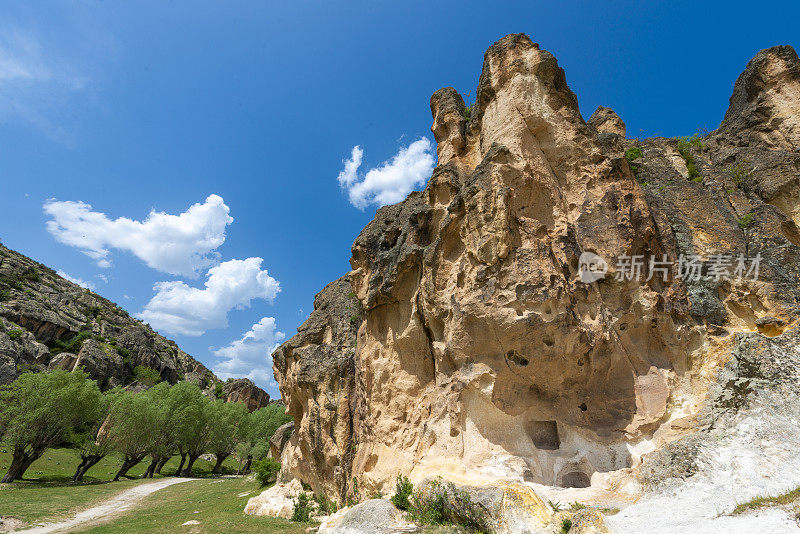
604	120
243	390
464	344
39	310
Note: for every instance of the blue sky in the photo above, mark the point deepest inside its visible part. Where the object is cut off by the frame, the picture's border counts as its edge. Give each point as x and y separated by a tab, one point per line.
250	110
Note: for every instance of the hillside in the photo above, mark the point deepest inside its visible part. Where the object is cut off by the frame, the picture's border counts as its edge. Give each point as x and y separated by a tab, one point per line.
47	322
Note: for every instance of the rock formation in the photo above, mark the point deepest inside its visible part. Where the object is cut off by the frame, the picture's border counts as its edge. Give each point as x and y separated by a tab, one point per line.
467	341
243	390
47	322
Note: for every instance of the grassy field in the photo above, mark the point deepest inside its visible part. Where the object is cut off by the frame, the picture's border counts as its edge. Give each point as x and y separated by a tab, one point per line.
47	492
214	503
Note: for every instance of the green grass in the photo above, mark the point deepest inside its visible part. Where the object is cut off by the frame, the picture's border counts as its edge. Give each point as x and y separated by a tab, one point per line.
215	503
48	493
761	502
34	503
58	466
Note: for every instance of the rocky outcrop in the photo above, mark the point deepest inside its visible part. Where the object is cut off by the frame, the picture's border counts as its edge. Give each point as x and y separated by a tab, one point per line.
276	501
508	326
377	516
604	120
317	370
47	322
765	105
279	439
243	390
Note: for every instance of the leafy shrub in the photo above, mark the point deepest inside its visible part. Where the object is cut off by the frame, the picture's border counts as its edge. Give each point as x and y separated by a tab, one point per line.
72	345
12	280
146	375
218	390
430	507
31	275
15	333
685	147
468	113
739	174
441	503
403	490
266	470
746	220
566	525
325	505
632	154
301	512
555	505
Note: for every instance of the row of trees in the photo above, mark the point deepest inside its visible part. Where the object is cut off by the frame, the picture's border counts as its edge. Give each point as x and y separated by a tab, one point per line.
41	410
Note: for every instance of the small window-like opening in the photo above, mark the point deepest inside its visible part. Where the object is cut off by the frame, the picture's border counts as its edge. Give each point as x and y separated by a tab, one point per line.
576	479
517	358
544	435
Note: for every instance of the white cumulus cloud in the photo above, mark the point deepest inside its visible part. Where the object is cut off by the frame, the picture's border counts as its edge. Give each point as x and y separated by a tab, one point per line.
176	244
178	308
393	180
75	280
251	356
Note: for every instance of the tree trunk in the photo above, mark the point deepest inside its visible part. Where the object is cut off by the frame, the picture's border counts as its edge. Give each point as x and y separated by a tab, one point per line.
151	468
218	465
180	467
87	462
79	471
187	472
161	464
129	462
247	465
20	463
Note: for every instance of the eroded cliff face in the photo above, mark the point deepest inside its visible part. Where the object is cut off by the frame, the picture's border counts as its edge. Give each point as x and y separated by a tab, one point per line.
465	342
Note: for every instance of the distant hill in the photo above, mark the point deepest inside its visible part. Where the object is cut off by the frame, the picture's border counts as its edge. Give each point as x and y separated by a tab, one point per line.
48	322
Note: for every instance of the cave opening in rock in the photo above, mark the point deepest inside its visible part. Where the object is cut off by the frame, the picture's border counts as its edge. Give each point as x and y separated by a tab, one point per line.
544	435
576	479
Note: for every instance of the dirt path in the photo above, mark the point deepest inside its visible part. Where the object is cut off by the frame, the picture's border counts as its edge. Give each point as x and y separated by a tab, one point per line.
107	509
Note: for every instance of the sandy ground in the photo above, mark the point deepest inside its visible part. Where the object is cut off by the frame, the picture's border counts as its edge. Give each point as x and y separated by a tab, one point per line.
108	509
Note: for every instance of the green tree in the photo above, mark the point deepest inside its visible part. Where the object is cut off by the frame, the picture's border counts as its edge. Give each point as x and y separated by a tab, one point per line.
162	444
38	410
228	425
263	424
190	423
146	375
93	444
131	429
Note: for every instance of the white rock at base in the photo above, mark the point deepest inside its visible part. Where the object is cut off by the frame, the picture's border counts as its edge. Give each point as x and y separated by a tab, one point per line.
276	501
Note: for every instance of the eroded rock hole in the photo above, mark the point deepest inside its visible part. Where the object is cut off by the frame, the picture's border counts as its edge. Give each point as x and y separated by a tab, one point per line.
576	479
516	358
583	407
544	435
